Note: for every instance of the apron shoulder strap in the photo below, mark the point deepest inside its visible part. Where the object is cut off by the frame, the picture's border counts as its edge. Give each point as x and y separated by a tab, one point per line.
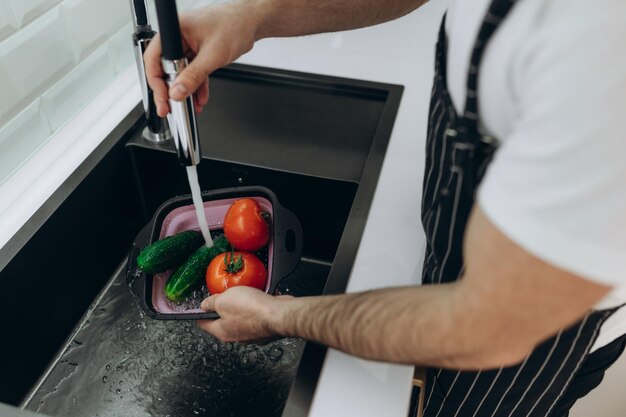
496	14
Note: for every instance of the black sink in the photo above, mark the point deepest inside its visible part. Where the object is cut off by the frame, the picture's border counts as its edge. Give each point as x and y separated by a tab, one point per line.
80	346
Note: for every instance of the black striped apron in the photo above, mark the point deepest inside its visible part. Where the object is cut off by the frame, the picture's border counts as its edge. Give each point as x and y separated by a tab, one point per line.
456	159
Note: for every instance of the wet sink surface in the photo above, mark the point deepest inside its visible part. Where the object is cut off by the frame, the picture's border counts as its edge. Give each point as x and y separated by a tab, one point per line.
122	363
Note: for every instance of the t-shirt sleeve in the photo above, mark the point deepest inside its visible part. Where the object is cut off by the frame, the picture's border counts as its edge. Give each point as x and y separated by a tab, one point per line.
557	184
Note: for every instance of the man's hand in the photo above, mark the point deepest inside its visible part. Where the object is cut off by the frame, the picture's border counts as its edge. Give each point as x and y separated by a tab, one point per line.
213	37
246	315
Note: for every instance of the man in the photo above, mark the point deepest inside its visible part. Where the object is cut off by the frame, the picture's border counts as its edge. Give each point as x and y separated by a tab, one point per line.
523	199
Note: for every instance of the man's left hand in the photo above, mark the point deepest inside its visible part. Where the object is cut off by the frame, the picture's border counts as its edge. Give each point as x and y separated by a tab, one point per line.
246	315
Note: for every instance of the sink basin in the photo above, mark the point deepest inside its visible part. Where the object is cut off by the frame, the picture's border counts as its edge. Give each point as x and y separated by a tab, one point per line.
79	344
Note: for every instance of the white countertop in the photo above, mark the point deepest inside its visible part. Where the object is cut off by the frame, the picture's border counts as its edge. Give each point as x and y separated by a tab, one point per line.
399	52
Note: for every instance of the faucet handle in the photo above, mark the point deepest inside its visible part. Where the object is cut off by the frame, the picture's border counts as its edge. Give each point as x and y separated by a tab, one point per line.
182	118
169	27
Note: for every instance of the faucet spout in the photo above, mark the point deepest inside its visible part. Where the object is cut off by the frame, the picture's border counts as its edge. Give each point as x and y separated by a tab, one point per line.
157	129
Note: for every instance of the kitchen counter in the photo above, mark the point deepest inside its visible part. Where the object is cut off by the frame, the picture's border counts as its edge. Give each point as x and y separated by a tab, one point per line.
399	52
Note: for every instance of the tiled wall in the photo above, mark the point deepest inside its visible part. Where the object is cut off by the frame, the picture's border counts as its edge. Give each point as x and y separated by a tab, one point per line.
55	57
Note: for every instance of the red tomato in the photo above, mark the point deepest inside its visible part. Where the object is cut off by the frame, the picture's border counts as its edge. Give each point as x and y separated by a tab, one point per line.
231	269
245	225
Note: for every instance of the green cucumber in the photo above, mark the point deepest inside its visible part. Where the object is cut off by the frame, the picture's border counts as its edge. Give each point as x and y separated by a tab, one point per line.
190	275
169	252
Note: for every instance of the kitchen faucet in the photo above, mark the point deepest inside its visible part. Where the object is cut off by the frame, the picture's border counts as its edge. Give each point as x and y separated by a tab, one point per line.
157	129
182	118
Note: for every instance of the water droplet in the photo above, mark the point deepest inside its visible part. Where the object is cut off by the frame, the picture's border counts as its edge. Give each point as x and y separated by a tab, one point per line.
117	391
108	367
275	353
104	379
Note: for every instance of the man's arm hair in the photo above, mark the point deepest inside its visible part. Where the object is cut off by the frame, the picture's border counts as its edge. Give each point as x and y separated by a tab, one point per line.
507	302
282	18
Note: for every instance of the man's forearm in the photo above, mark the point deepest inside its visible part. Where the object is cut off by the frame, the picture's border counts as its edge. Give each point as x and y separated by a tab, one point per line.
412	325
507	302
282	18
392	325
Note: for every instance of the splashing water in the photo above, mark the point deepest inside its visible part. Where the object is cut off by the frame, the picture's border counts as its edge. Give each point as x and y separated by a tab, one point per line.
192	175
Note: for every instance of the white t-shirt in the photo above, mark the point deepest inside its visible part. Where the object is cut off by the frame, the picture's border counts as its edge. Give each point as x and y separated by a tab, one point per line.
552	89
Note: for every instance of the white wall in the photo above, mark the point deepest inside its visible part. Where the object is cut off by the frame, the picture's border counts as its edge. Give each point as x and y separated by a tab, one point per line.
55	56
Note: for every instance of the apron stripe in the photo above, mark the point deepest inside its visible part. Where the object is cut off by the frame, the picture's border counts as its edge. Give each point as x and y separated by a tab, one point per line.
569	353
455	208
447	395
580	360
493	382
517	374
532	382
469	391
431	392
428	190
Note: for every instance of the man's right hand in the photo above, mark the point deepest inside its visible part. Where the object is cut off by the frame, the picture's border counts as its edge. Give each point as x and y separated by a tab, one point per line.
213	37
